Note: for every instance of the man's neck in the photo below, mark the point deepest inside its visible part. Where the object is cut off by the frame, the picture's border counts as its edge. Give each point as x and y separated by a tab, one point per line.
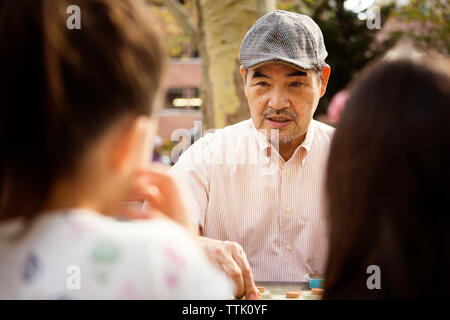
287	150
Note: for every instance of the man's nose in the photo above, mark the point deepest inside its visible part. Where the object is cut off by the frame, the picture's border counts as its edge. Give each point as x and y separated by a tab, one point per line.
278	99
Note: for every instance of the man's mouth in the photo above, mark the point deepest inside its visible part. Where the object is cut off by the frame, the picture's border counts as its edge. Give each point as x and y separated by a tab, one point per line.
278	121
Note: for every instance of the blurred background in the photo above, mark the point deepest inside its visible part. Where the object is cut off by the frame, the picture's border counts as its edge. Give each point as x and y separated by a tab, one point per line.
203	39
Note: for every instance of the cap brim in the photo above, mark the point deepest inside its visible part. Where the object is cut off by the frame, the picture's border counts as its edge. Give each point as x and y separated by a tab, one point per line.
295	64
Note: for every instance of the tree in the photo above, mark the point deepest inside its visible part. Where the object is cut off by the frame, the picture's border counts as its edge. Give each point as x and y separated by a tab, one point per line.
221	26
425	23
176	21
215	29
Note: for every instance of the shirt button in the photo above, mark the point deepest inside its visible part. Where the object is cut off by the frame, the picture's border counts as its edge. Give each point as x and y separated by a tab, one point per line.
287	171
288	248
289	210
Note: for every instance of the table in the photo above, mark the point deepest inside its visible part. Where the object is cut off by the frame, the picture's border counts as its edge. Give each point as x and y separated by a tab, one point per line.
278	290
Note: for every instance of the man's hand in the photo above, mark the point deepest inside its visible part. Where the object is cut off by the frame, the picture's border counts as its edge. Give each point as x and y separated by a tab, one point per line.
229	257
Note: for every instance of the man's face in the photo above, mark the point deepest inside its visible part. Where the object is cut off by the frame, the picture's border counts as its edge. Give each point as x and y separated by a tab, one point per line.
284	98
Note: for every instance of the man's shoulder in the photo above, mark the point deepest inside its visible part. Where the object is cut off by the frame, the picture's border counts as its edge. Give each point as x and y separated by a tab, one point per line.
323	131
323	128
323	136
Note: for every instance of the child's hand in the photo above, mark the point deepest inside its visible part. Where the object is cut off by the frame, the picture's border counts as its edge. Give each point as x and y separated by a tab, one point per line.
165	196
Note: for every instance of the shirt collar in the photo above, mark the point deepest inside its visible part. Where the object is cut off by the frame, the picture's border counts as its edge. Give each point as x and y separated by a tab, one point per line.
261	139
307	143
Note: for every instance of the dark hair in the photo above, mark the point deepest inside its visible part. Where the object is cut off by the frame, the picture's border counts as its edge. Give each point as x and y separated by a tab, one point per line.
60	89
388	186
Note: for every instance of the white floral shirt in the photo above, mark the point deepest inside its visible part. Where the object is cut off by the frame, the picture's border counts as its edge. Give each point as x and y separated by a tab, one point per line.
80	254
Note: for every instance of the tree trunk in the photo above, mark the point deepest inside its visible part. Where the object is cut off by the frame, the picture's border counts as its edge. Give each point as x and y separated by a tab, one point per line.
222	24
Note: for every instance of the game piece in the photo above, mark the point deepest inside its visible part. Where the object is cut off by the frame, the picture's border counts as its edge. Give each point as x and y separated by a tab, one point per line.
261	289
315	280
266	295
292	294
307	295
317	291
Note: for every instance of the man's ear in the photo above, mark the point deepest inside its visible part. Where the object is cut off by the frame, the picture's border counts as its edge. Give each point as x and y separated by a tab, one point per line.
324	76
244	75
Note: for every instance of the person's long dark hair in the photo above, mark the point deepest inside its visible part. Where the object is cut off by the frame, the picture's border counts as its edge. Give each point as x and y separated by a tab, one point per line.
61	88
388	185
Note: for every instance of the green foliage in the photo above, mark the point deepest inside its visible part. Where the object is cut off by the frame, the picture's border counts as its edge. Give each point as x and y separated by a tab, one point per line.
428	24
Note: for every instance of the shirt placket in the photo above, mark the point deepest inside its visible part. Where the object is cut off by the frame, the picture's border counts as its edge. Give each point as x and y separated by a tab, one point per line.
286	212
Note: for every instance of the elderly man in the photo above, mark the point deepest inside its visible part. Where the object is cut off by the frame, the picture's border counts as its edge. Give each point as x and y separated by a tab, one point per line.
261	215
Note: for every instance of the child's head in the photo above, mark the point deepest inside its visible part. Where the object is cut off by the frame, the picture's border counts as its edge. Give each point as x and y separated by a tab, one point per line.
78	106
388	183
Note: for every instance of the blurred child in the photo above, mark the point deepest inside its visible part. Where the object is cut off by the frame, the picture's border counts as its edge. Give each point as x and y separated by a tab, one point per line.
336	106
78	114
388	185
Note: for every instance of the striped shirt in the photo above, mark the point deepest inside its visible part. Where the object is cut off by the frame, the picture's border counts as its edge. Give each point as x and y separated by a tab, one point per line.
274	209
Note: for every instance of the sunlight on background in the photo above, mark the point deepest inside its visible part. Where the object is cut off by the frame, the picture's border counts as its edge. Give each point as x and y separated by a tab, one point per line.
358	5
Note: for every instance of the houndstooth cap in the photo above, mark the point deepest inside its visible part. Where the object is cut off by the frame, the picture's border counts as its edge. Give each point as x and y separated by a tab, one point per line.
286	37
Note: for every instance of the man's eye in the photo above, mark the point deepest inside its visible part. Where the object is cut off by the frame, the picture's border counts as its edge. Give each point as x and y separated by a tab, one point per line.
295	84
262	83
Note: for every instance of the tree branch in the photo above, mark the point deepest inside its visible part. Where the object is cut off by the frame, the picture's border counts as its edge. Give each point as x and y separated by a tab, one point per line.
182	18
320	7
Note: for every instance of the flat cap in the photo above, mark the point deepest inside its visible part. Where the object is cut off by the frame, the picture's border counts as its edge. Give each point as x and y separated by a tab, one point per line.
285	37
